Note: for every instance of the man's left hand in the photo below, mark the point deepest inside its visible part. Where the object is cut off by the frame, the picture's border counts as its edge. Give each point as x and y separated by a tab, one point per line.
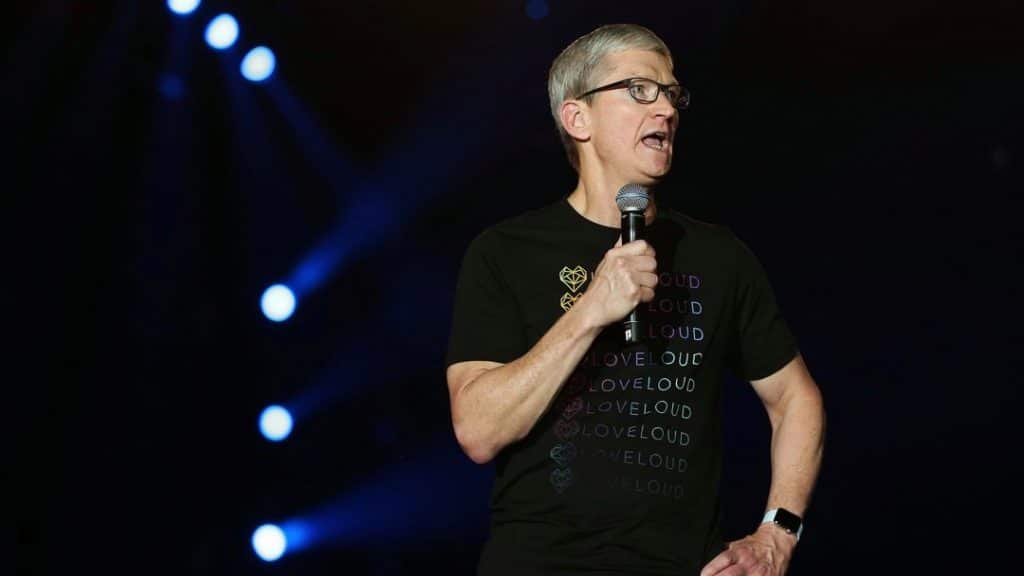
763	553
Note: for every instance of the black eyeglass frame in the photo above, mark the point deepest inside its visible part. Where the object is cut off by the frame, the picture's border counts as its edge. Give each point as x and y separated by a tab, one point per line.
682	103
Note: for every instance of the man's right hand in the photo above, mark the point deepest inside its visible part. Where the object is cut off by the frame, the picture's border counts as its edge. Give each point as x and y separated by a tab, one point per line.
626	276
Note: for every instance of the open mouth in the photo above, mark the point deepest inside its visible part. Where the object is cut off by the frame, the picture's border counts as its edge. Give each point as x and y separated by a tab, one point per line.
656	140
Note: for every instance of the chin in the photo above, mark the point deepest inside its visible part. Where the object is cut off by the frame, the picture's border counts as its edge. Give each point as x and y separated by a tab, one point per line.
654	176
648	181
658	170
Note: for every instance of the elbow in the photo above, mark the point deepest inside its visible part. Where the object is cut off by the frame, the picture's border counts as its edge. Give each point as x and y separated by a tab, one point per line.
475	433
478	450
479	455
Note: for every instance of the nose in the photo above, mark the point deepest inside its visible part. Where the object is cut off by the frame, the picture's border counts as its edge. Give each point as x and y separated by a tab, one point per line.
663	106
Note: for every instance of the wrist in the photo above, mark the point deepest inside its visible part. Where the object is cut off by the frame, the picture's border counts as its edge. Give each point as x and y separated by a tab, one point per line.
777	534
784	521
588	313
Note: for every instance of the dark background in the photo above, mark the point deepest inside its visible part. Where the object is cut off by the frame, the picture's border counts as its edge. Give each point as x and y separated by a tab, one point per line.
866	152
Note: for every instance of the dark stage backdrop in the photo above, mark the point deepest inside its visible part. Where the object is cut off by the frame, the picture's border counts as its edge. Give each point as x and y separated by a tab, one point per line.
865	151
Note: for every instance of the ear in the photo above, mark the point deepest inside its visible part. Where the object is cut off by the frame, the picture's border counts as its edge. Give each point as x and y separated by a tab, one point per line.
575	117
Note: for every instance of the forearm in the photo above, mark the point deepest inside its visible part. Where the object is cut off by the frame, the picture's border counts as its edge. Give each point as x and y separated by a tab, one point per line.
797	444
797	416
501	405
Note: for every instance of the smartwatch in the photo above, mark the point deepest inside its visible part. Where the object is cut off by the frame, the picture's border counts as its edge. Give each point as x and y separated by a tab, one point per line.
786	520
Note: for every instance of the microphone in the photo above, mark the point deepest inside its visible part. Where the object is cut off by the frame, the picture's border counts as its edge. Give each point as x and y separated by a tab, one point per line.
632	200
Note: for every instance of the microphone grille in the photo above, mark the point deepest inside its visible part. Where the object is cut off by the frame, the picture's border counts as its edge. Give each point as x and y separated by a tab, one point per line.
632	198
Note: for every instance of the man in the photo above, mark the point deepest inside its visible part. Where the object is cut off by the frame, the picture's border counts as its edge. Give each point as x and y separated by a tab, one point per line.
608	453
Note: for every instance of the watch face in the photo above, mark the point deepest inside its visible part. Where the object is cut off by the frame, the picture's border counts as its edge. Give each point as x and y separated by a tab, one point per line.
787	520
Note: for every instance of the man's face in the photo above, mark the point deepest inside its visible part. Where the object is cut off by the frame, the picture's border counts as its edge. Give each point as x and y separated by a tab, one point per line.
632	141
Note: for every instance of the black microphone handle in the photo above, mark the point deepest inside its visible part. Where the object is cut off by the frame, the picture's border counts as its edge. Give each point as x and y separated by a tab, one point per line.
632	229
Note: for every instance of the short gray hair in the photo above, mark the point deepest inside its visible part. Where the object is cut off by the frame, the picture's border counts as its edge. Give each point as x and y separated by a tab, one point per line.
575	68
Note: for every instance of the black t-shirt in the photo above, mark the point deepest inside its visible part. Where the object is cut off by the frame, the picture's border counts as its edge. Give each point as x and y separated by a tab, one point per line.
621	475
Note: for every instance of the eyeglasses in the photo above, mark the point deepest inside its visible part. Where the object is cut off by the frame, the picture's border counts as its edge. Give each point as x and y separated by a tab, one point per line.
645	91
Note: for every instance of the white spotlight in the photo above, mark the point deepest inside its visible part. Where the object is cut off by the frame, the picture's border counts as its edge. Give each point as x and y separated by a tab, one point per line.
276	423
258	64
183	7
222	32
278	303
269	542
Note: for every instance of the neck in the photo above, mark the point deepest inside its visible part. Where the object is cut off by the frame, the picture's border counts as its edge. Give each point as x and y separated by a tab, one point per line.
595	201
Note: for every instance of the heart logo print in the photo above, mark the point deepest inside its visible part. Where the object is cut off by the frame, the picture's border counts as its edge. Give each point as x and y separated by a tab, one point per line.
574	278
561	478
566	429
572	407
568	300
563	453
576	383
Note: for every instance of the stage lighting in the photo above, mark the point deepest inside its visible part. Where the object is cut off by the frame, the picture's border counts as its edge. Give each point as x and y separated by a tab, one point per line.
269	542
258	64
183	7
278	303
222	32
276	423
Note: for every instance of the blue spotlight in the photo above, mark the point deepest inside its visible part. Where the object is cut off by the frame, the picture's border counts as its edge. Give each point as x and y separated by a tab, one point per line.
258	64
222	32
278	302
276	423
269	542
183	7
437	492
536	9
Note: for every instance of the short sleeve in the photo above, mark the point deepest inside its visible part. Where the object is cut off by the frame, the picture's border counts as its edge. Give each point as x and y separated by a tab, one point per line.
486	323
762	340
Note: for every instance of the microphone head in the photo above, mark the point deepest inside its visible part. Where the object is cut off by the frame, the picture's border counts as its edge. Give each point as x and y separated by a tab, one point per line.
632	198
